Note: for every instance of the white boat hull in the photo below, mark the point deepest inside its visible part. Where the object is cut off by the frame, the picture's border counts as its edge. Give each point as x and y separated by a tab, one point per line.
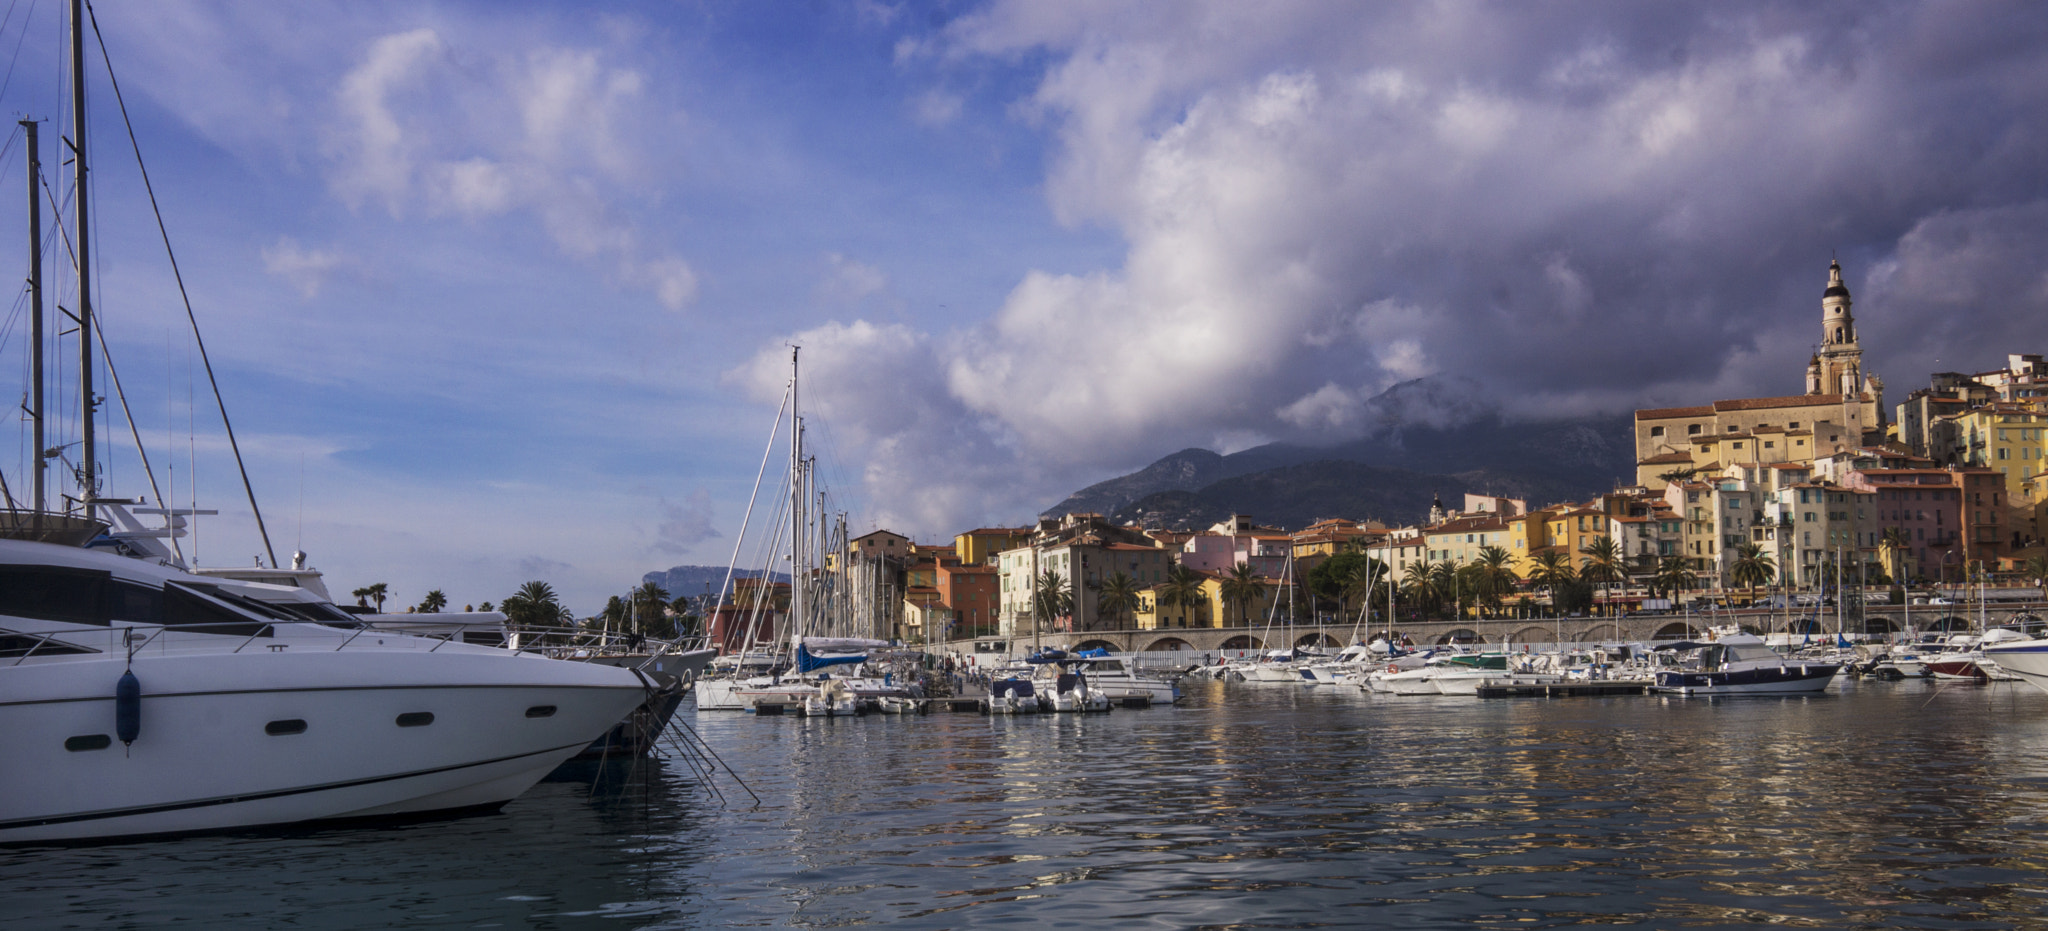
218	748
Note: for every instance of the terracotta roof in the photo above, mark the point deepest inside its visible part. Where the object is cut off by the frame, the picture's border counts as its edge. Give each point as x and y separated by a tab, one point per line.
1665	458
1673	413
1795	400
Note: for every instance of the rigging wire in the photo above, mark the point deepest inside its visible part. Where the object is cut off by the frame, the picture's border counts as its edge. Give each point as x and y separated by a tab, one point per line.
190	315
15	58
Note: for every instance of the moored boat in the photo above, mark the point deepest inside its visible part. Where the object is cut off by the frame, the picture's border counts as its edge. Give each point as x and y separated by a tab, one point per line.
1739	664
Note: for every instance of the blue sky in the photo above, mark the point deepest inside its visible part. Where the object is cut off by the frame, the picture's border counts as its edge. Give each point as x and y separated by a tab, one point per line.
499	291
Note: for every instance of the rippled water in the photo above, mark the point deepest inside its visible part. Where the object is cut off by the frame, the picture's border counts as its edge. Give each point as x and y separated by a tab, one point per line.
1874	805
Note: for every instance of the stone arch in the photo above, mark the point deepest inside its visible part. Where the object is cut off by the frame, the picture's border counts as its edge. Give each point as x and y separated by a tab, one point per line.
1460	635
1949	624
2026	623
1879	624
1243	642
1534	633
1676	630
1319	640
1802	625
1168	645
1099	644
1598	633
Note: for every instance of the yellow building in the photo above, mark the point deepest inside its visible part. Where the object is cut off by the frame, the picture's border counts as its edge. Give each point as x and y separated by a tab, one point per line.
2008	438
979	547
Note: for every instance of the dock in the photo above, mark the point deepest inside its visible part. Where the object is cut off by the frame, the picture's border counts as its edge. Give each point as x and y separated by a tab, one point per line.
1509	688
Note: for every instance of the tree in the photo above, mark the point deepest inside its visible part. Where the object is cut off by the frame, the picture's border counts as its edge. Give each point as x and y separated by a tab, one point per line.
378	591
1182	588
1674	576
1242	587
1445	574
1332	579
1603	564
1420	581
1117	595
534	605
1553	571
1368	581
1752	567
433	603
362	596
1053	598
649	604
2037	569
486	606
1493	575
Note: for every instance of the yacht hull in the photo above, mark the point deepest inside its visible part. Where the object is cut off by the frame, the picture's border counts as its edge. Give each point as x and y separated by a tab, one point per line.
234	740
1792	678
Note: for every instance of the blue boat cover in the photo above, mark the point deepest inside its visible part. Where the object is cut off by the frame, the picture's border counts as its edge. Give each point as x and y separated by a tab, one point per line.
807	661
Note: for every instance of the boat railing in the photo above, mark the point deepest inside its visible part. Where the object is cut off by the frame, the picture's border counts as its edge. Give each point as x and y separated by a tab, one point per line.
132	638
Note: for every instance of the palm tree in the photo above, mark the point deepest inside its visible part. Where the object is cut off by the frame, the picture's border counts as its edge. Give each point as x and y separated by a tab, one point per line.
1243	586
362	596
533	605
1448	579
1053	598
1604	563
1117	595
1183	589
1421	585
1553	571
1367	581
2037	569
1674	576
433	603
1492	575
1753	567
648	603
378	591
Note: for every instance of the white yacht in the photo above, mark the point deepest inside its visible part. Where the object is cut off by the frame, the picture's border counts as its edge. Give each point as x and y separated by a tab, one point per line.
136	698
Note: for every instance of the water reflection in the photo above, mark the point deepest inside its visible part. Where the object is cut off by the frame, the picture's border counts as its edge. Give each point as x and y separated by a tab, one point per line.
1884	804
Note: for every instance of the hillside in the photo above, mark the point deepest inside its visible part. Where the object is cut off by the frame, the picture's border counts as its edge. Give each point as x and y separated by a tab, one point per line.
1389	476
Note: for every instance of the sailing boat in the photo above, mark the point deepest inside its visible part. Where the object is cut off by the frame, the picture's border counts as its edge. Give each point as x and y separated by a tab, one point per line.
233	711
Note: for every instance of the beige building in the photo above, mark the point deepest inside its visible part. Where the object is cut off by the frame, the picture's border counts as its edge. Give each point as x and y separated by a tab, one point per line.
1843	408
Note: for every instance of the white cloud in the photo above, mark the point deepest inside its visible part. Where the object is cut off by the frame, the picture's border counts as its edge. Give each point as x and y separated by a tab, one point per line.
305	269
479	133
848	281
937	107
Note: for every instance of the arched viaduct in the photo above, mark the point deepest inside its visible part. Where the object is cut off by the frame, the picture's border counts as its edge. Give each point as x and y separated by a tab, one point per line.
1877	620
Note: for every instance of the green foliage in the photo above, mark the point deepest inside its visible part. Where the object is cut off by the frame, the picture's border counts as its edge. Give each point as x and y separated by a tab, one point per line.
534	605
1117	596
433	603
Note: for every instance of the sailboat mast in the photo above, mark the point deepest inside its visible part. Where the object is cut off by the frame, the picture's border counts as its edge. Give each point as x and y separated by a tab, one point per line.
796	507
35	326
88	477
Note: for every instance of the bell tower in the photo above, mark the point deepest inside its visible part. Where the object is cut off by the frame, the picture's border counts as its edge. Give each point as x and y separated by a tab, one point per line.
1838	367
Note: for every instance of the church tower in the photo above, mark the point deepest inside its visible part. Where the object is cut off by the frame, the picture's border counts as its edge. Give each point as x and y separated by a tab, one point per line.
1838	367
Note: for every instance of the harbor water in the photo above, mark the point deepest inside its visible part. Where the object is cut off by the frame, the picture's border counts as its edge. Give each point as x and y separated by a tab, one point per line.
1873	805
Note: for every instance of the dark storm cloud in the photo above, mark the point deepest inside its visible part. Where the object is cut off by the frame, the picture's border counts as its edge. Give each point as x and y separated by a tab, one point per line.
1578	206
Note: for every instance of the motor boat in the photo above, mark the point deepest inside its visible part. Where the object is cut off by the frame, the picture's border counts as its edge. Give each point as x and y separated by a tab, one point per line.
1737	664
1012	696
1112	677
137	698
2025	659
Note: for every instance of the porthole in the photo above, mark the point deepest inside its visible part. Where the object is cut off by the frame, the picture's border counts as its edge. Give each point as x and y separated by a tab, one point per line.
541	711
88	742
282	728
416	719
